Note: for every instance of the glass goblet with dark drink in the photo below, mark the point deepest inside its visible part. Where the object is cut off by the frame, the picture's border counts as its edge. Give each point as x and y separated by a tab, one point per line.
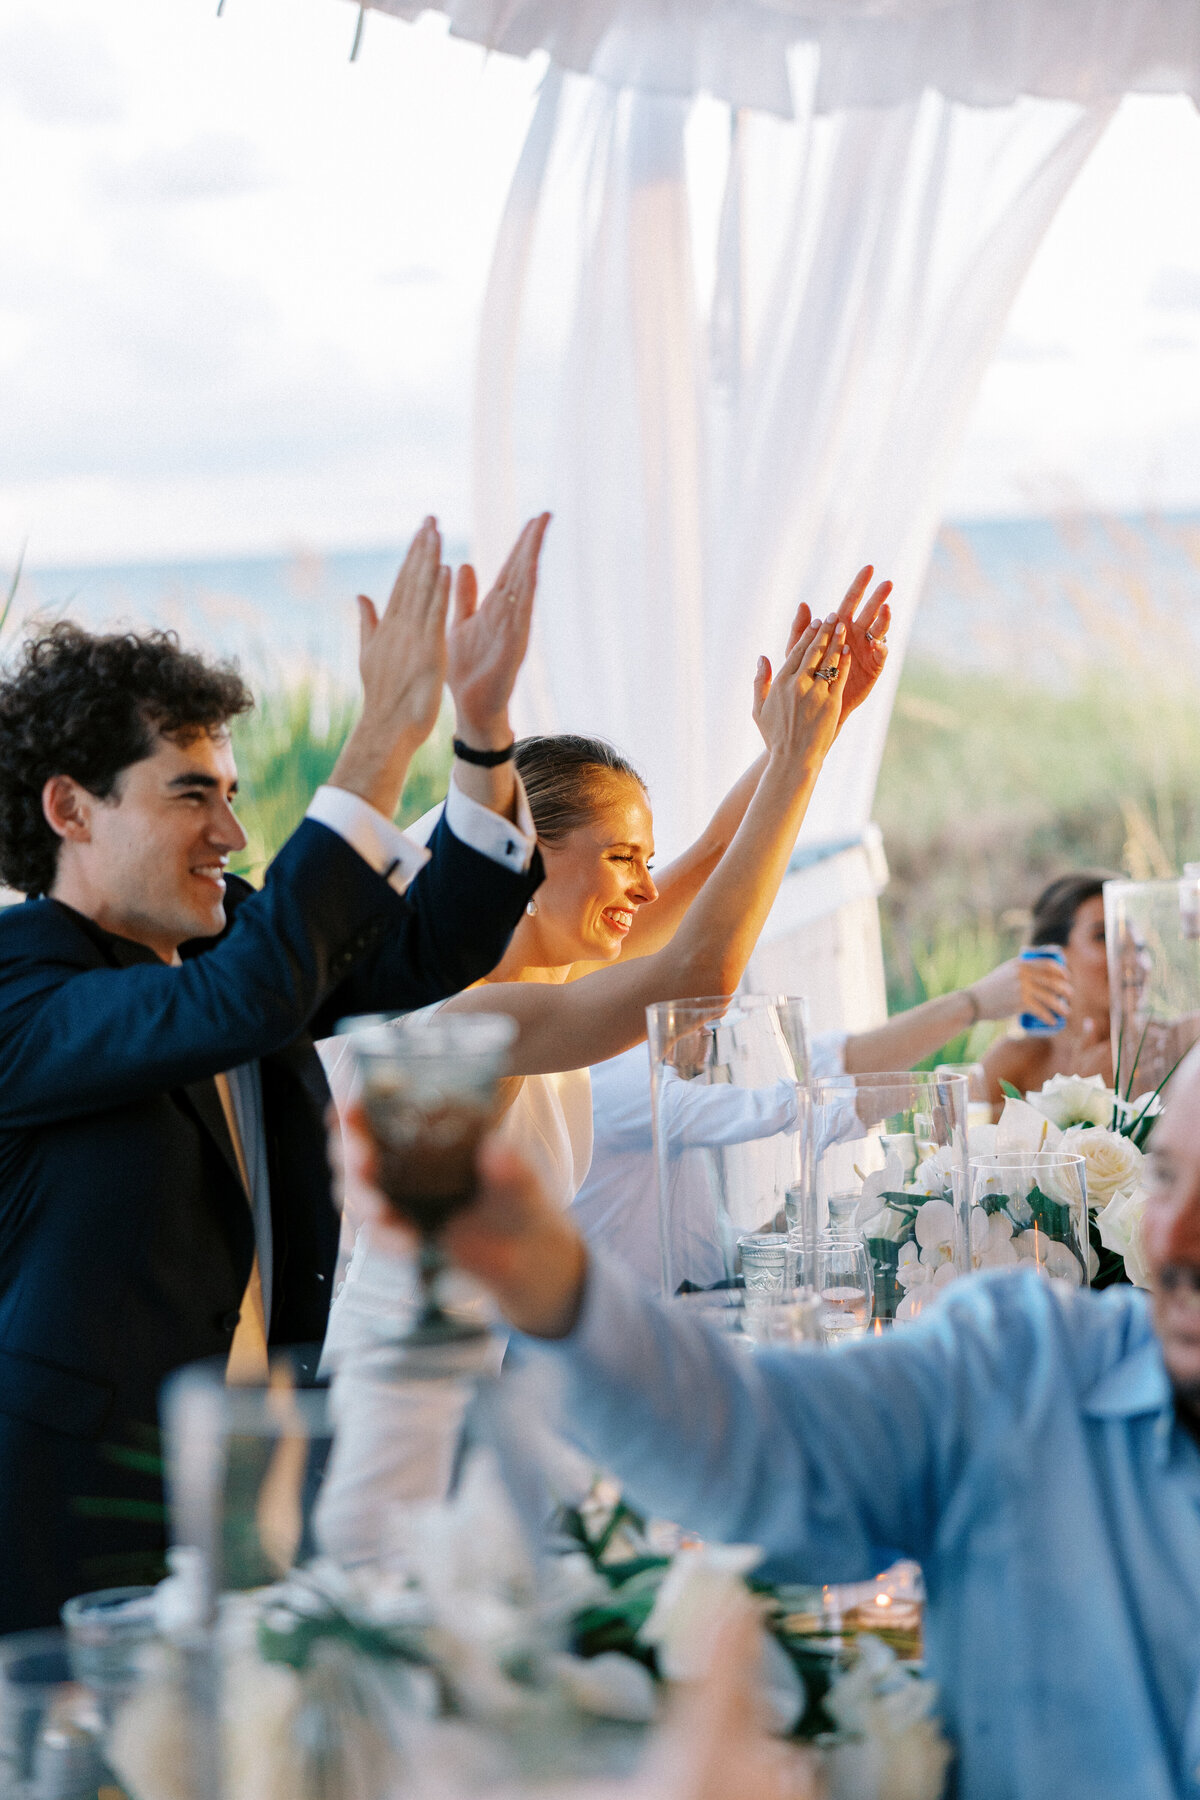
429	1092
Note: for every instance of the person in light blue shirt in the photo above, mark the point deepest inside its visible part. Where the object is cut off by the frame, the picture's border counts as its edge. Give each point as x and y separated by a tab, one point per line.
1035	1448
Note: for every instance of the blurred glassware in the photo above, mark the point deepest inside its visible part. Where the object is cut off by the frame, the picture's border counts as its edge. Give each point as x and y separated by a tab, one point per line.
50	1724
1029	1207
429	1089
768	1261
754	1318
846	1285
898	1142
106	1632
1152	932
730	1086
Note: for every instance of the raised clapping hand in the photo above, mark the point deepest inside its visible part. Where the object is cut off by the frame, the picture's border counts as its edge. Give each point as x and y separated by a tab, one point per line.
799	710
402	661
486	648
866	636
487	642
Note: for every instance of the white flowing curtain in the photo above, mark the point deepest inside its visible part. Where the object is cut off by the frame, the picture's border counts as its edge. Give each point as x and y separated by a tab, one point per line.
721	435
709	467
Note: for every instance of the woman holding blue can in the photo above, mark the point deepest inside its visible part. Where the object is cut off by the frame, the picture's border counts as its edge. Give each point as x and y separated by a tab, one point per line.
1068	1033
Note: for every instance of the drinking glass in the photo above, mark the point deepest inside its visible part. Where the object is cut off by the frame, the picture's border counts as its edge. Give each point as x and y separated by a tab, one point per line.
106	1632
50	1728
846	1284
731	1098
754	1318
768	1261
1029	1207
1152	931
897	1141
429	1089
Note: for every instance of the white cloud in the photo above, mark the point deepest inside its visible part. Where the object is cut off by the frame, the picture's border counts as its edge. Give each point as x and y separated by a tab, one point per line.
210	165
240	286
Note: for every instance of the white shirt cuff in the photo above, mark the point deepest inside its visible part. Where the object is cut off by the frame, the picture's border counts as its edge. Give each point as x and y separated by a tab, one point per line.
499	839
382	845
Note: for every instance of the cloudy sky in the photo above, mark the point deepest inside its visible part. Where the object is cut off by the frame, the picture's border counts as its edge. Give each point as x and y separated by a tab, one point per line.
240	281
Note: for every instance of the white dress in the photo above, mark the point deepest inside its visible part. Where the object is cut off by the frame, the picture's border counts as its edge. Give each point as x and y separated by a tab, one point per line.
396	1444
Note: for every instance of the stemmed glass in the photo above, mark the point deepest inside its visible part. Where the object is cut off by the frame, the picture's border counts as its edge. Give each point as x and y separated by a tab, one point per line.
846	1285
429	1089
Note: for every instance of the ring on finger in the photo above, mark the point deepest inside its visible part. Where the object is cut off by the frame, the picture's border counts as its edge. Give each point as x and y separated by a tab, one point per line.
829	673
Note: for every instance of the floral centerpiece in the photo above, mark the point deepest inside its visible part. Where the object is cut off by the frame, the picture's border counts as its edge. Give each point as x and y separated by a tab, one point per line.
475	1655
1084	1116
907	1214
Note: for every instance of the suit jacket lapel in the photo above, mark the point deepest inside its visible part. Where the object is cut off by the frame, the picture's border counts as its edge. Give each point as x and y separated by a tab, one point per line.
200	1096
205	1102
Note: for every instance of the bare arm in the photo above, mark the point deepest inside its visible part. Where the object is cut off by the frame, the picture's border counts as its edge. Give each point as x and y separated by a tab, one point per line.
586	1021
680	882
1037	987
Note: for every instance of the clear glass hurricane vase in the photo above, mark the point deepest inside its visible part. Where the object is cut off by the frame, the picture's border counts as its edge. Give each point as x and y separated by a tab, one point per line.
1152	932
1029	1209
730	1088
891	1167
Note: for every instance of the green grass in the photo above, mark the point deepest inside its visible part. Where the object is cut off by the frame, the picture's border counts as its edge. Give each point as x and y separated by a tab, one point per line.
287	747
990	787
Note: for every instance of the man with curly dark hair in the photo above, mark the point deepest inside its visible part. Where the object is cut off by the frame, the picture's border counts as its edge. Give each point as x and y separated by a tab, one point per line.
164	1188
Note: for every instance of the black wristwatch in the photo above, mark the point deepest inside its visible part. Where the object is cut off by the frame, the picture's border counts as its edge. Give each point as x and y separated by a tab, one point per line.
483	759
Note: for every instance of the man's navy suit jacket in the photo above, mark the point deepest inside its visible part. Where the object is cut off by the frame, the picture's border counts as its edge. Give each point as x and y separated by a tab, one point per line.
126	1239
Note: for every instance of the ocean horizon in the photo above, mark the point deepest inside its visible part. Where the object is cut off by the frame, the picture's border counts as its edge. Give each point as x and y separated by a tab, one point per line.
993	586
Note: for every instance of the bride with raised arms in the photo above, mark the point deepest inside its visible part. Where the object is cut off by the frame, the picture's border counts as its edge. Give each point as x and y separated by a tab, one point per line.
603	939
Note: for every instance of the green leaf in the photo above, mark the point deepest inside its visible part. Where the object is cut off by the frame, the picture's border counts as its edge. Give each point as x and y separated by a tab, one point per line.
1012	1093
1050	1216
885	1260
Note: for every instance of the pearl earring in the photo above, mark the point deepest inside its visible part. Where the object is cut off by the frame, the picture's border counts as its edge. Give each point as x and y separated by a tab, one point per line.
531	908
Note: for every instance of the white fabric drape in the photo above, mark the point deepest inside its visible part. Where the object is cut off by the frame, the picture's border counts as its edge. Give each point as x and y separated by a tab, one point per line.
706	475
872	52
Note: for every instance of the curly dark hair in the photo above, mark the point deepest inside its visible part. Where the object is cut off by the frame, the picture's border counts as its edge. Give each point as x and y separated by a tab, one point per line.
88	706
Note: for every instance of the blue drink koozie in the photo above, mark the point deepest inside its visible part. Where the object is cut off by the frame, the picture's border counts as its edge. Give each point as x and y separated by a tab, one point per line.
1029	1022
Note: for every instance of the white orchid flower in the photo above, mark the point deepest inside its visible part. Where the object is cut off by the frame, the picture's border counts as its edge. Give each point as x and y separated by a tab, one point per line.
910	1270
1057	1260
1023	1127
992	1244
888	1180
935	1228
935	1175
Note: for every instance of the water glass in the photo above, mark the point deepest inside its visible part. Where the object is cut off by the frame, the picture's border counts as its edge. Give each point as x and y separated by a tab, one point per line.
1029	1209
106	1631
846	1285
768	1261
755	1317
50	1728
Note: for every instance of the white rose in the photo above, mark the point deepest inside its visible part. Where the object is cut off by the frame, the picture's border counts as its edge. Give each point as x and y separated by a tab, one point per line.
1120	1228
1074	1100
609	1686
1111	1163
696	1593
